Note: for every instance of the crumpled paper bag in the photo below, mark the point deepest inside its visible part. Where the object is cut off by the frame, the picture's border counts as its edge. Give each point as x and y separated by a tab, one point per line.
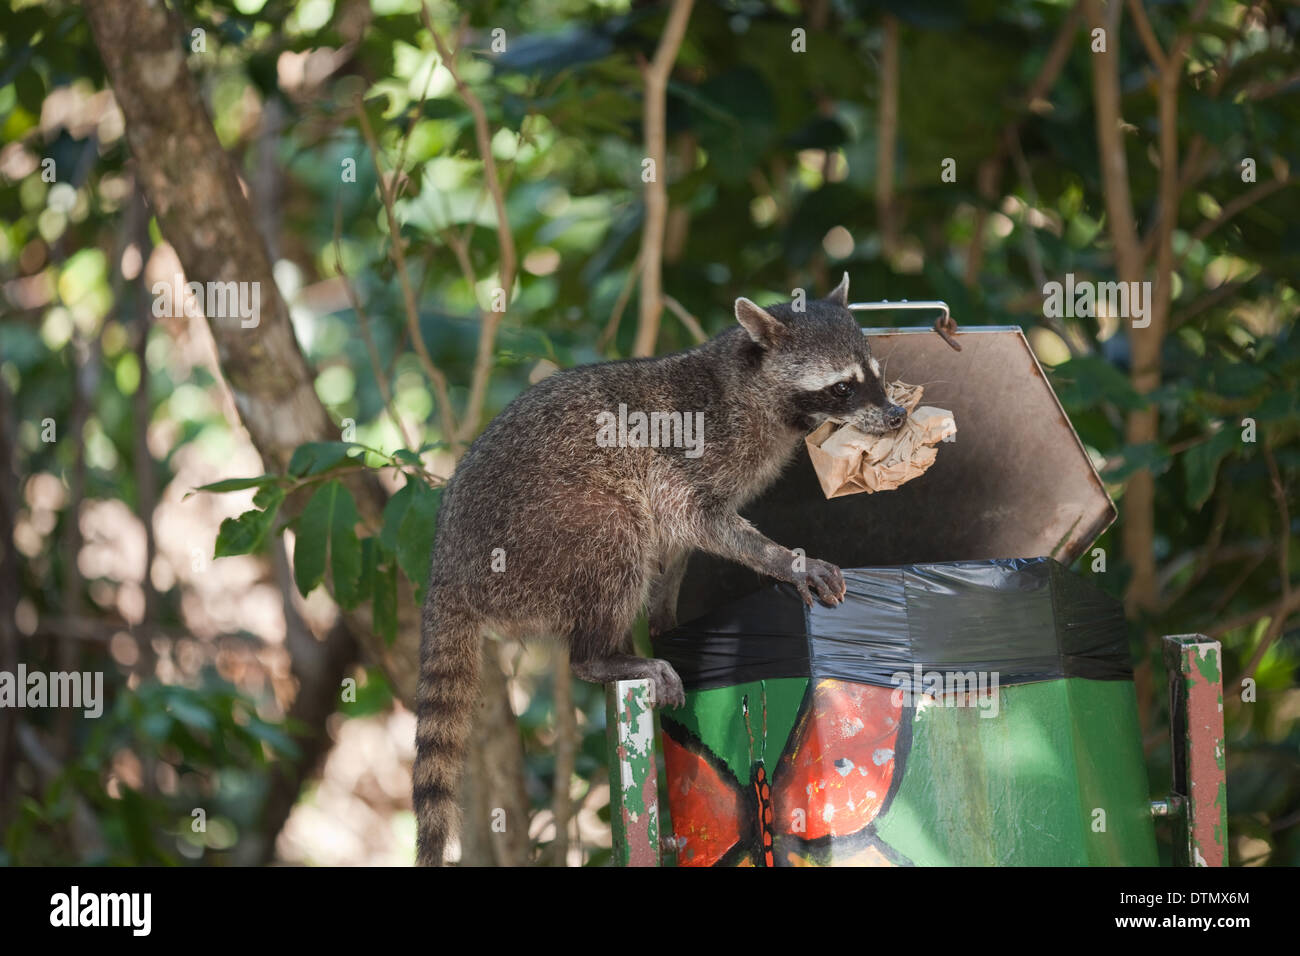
848	461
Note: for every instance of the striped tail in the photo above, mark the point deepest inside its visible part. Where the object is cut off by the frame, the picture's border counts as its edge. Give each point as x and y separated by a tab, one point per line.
445	698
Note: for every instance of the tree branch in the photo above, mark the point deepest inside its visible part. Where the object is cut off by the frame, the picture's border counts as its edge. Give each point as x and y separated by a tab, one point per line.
1057	56
1276	610
1139	497
435	375
1147	34
1235	585
986	177
491	319
1208	301
363	321
1281	614
1114	162
691	322
1230	209
616	314
202	211
1266	88
654	123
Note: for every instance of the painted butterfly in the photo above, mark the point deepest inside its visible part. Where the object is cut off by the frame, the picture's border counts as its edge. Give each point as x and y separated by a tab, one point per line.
838	771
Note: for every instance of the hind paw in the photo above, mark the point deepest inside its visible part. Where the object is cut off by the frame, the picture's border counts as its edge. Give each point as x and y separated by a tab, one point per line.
666	686
668	689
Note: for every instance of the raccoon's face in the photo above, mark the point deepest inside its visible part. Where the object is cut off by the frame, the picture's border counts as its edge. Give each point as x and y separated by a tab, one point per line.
819	366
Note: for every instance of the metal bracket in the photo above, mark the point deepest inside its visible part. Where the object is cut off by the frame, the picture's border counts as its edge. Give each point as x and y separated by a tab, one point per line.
1171	807
944	325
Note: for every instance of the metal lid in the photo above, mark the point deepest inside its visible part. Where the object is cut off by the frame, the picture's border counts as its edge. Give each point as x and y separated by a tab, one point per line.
1015	483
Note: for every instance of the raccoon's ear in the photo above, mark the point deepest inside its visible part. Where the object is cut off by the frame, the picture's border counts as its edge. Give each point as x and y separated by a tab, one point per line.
763	327
840	294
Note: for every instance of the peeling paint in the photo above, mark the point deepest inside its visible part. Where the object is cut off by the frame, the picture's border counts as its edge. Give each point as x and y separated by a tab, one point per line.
1207	661
635	804
1199	746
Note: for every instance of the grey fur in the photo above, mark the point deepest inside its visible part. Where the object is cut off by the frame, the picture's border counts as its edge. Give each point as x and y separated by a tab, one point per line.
592	534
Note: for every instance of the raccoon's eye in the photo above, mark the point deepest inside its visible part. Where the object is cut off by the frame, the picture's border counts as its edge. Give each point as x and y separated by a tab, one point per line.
842	389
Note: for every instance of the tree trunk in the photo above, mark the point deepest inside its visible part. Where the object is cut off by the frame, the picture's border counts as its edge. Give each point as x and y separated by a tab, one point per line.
202	211
1138	533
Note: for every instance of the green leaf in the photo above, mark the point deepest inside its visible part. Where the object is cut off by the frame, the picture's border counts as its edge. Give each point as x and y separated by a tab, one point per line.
439	109
415	536
316	457
394	512
236	484
30	89
268	494
156	726
1150	455
550	52
1090	380
384	603
408	456
275	736
326	536
734	115
1201	464
1239	379
245	534
369	557
1279	406
191	713
374	696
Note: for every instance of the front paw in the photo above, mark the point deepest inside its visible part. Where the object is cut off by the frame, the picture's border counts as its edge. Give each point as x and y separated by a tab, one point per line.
822	578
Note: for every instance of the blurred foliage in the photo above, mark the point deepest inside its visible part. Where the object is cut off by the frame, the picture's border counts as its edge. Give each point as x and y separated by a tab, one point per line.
215	742
773	166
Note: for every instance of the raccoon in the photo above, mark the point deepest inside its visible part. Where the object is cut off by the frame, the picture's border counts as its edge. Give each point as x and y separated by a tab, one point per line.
588	532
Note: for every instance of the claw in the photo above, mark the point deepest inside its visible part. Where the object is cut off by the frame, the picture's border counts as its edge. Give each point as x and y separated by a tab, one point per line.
668	689
827	581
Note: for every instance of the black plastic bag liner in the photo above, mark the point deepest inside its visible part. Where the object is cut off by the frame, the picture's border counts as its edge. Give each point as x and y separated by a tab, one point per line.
1027	619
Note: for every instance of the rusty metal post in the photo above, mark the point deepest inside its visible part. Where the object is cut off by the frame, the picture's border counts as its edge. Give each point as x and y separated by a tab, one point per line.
1195	667
633	779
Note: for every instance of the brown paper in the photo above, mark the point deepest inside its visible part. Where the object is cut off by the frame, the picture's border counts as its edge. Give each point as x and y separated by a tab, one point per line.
848	461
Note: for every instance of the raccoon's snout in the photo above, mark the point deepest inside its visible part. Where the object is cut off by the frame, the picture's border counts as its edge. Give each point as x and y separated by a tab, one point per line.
879	419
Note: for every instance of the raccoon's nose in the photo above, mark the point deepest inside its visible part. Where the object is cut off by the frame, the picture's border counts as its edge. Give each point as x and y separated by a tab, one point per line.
894	415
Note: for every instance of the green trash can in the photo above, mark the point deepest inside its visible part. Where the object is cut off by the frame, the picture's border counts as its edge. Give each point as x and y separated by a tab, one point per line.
958	713
805	740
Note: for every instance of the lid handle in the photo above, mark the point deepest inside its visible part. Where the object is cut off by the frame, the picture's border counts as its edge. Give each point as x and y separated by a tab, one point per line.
944	325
